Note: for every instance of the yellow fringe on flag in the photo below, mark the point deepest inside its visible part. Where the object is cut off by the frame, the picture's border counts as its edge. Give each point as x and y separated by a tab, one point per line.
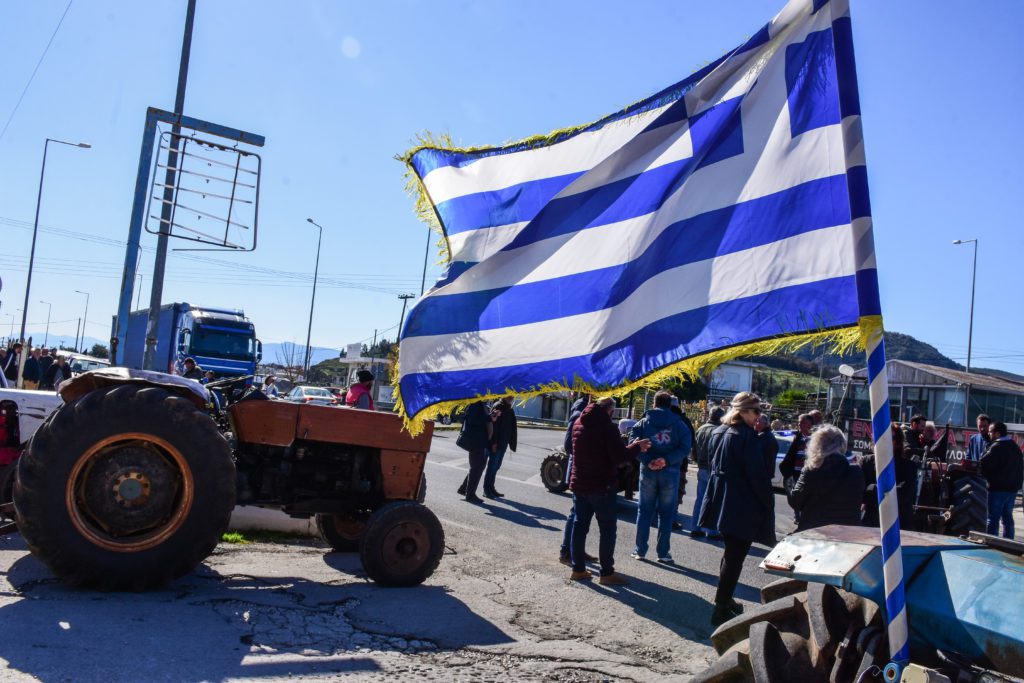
835	341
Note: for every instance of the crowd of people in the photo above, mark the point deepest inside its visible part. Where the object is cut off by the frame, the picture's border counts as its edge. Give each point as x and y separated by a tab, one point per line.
735	454
44	368
487	433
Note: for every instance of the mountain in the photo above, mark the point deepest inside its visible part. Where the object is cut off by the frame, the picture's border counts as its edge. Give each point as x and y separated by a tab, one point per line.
289	353
898	346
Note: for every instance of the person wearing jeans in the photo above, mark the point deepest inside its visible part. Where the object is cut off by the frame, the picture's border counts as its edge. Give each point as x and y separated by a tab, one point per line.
1003	468
657	497
597	452
602	506
504	438
659	473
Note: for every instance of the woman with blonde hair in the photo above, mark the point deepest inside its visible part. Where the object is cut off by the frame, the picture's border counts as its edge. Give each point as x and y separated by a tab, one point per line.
739	501
830	490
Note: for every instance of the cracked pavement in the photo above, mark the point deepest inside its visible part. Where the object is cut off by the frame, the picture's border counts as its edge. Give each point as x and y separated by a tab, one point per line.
499	607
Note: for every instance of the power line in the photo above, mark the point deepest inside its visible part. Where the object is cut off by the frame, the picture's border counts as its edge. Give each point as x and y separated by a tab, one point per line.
38	64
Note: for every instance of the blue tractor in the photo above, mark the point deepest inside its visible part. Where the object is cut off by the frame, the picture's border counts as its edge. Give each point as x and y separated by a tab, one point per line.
823	620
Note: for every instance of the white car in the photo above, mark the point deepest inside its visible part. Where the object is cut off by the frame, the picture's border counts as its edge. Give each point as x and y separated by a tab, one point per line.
318	395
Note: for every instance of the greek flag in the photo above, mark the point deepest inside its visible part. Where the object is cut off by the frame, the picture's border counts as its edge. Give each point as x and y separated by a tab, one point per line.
723	216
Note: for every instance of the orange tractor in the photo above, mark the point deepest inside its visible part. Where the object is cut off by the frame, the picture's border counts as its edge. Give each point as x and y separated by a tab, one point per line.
131	482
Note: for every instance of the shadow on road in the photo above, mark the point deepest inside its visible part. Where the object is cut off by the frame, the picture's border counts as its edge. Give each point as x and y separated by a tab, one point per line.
670	607
525	514
209	626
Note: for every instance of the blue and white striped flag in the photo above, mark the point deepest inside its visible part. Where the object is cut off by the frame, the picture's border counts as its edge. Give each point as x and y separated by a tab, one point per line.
725	215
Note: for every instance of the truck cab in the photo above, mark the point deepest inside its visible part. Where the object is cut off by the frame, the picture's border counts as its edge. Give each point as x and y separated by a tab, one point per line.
217	339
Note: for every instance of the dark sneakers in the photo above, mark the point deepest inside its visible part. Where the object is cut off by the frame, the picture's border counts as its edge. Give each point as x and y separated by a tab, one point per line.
493	494
476	500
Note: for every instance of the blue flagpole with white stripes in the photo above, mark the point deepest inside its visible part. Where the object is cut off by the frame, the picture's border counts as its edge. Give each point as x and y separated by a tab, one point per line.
872	333
888	510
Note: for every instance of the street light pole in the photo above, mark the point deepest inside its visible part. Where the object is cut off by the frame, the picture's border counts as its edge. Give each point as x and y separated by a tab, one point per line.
48	310
970	328
312	299
35	226
85	318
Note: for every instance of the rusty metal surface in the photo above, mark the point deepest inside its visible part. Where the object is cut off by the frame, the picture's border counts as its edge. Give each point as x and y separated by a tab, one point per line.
108	377
271	423
401	472
359	428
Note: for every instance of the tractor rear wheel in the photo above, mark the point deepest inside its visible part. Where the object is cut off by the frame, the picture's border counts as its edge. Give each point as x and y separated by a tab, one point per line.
553	471
970	506
127	487
402	544
818	633
341	532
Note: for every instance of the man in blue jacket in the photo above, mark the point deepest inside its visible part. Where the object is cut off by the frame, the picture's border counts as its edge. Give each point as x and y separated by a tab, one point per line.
659	473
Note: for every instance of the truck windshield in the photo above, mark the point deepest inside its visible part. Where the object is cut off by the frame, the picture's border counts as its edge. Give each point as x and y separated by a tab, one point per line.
221	344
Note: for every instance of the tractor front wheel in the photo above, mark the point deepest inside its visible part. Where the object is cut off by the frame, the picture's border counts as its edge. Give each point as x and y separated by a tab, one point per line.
402	544
127	487
810	632
553	471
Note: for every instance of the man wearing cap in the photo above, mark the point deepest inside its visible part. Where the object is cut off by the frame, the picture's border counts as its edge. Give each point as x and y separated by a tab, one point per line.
358	395
269	390
192	371
740	502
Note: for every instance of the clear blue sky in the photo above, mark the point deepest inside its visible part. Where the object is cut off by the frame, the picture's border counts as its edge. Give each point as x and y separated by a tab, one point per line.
339	88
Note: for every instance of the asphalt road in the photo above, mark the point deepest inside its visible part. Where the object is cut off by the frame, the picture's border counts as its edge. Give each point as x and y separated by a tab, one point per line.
499	607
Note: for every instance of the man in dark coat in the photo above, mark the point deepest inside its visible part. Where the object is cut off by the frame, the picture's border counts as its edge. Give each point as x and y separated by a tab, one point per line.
1003	468
33	374
830	489
45	361
793	461
55	374
739	501
913	438
505	433
475	437
191	370
597	451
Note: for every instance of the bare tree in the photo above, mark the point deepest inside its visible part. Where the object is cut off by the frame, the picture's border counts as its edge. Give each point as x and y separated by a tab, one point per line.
289	357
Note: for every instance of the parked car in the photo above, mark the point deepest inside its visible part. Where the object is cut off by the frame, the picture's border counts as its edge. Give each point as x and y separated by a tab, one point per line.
79	363
303	394
785	440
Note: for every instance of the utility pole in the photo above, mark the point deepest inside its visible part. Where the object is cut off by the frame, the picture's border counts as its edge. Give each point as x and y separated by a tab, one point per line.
49	309
426	255
156	295
312	299
405	300
970	330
